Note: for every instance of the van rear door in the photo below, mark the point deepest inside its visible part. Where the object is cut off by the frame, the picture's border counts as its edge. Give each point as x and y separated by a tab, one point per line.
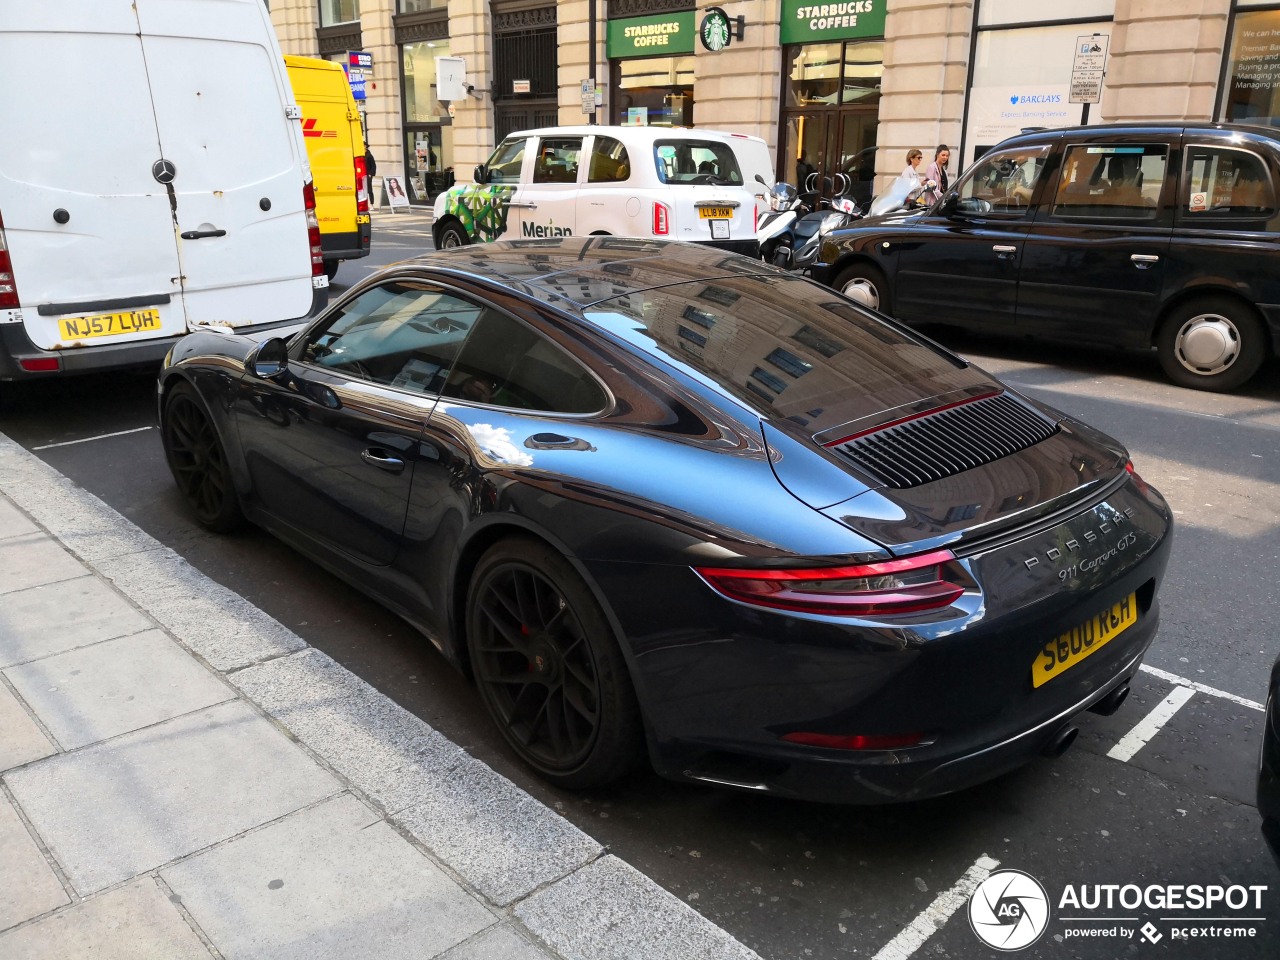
89	229
219	94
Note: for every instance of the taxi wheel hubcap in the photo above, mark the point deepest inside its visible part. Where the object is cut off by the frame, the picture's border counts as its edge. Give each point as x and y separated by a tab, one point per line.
864	291
1207	344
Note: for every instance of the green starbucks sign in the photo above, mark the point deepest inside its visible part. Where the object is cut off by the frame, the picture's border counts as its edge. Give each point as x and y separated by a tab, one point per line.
714	32
668	35
804	22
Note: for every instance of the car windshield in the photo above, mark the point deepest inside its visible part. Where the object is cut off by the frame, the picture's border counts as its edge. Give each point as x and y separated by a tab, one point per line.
696	162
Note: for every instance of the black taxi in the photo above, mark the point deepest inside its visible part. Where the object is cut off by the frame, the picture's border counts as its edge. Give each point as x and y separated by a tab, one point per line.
1132	236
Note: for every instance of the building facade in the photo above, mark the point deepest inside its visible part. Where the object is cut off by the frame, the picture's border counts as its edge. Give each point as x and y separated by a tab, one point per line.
834	87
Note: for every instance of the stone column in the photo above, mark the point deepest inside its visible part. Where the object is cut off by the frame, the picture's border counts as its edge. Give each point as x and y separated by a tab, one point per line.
381	107
295	22
736	90
1165	60
471	37
573	65
926	57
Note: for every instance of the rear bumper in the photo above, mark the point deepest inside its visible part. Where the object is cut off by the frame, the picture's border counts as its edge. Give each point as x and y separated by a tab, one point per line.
16	346
349	245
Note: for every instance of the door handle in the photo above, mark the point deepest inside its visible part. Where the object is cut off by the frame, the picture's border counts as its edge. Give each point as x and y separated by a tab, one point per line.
380	459
523	204
1003	248
201	234
1144	260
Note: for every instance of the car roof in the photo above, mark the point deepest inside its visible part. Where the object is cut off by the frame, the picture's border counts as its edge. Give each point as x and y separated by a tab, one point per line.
1162	128
587	270
645	134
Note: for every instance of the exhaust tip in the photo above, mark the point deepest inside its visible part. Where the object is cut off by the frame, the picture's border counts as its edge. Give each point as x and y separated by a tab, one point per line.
1061	742
1111	702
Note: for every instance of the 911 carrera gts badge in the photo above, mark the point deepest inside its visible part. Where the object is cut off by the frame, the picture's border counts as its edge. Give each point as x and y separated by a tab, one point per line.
1106	528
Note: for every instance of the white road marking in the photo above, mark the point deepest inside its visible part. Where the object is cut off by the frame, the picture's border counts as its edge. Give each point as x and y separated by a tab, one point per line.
934	916
1201	688
1150	725
68	443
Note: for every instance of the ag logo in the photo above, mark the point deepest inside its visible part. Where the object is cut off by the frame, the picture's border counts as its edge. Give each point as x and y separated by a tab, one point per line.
1009	910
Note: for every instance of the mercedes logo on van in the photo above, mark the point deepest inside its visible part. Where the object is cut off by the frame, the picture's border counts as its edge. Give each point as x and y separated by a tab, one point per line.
164	171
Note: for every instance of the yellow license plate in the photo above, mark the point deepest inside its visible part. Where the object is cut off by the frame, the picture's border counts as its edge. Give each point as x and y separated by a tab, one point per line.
109	324
1066	651
715	213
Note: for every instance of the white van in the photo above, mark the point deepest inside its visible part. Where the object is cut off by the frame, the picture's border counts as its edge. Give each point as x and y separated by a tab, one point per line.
669	183
153	180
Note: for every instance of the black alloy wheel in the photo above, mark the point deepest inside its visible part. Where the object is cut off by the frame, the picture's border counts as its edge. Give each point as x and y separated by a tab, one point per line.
549	669
1211	343
198	462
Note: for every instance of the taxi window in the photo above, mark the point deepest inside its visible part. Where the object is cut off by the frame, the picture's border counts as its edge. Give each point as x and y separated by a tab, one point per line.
504	165
1111	182
557	160
1003	181
609	161
1226	182
696	162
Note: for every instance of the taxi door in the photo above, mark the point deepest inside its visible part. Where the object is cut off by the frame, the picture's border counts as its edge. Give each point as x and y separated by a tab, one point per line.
546	201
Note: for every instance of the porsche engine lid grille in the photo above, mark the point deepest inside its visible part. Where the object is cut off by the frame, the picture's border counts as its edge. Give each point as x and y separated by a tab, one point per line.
948	441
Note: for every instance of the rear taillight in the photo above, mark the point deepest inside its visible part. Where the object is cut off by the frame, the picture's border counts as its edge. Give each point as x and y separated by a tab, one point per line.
1137	479
908	585
755	217
661	219
362	186
313	229
8	286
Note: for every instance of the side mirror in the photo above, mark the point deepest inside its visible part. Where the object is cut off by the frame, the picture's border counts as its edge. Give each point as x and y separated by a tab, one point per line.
269	359
481	175
949	204
760	179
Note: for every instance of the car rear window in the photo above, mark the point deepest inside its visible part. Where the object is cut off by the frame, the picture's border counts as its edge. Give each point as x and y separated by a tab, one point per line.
786	347
696	162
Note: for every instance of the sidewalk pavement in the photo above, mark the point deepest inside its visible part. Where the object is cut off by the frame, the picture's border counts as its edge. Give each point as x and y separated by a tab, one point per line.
181	776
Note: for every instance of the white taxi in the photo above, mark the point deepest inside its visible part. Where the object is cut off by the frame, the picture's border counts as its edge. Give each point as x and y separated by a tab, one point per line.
628	181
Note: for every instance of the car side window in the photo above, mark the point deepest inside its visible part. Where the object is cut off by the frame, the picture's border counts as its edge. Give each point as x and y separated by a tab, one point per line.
557	160
609	161
1003	181
1111	181
1226	182
508	364
400	334
504	164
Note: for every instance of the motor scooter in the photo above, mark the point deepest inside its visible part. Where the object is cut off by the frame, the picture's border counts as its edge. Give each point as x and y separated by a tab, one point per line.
774	226
797	248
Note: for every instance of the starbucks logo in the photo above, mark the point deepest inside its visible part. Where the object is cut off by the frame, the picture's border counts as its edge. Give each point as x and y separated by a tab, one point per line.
715	30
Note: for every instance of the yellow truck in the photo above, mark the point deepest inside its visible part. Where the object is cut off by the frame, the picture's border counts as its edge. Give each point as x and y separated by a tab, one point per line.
336	150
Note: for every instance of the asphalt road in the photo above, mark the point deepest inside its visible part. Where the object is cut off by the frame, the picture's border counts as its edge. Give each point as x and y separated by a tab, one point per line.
801	880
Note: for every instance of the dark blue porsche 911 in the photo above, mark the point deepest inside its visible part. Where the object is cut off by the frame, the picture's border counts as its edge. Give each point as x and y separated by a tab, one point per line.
667	502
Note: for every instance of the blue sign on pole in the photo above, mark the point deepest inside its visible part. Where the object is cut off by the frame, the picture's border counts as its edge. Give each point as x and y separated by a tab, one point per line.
359	67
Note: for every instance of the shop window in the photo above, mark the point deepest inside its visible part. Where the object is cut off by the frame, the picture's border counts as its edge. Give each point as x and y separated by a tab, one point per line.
339	11
1253	69
654	91
1109	182
609	161
419	66
1225	182
557	160
830	74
